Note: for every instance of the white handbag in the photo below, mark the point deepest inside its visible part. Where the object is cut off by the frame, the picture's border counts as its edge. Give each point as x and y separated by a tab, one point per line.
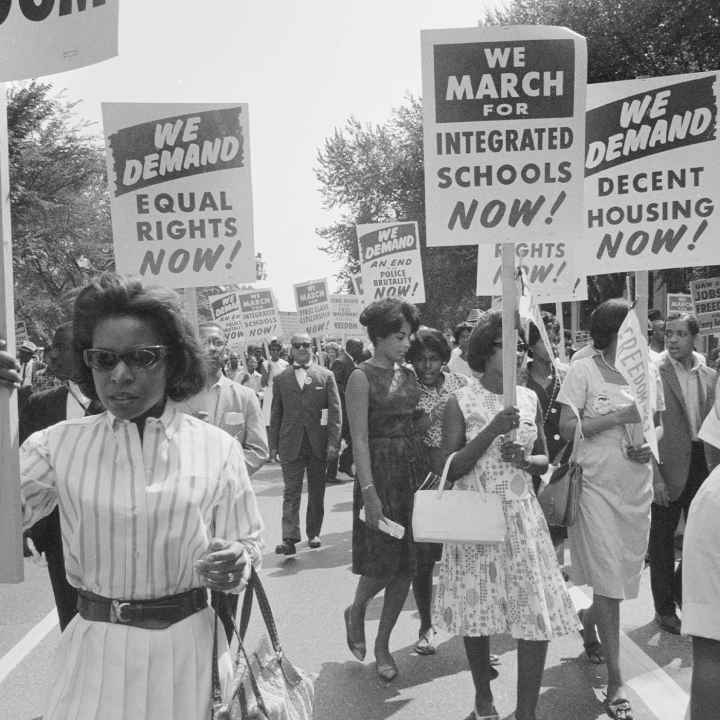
457	516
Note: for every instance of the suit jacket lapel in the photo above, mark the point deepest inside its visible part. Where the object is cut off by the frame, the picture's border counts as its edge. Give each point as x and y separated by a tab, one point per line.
674	384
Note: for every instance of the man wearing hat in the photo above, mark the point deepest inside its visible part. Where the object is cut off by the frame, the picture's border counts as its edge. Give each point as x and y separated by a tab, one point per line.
26	356
701	578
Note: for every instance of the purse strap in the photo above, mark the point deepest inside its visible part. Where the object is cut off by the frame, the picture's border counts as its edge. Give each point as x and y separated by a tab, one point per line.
446	469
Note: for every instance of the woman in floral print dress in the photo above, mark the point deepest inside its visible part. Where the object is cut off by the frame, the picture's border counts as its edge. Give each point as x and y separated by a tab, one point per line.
511	587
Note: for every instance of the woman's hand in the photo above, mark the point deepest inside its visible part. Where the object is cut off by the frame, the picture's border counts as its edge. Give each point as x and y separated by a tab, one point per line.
225	566
9	375
514	453
373	508
505	421
639	453
627	415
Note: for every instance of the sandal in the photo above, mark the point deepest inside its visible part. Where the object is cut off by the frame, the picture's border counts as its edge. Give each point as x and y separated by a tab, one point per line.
356	647
619	709
387	669
474	716
424	645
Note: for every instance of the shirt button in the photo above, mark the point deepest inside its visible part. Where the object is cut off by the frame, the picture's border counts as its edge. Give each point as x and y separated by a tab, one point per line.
556	436
553	410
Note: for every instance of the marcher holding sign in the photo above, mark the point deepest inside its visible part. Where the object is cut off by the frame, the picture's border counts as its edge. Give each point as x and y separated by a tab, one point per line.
390	261
609	539
179	178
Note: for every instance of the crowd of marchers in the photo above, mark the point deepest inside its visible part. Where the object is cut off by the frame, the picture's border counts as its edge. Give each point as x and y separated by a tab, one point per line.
140	434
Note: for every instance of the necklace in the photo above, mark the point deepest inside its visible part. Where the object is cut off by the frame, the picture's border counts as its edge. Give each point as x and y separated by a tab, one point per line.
610	367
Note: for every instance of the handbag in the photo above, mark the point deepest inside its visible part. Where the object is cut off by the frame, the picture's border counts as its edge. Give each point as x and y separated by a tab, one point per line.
458	516
265	684
560	498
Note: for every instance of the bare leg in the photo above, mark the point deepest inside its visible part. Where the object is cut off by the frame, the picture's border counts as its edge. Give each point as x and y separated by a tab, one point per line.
422	590
606	612
395	594
477	650
531	663
367	589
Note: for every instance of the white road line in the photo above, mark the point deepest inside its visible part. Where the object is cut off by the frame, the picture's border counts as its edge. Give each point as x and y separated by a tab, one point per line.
30	640
662	695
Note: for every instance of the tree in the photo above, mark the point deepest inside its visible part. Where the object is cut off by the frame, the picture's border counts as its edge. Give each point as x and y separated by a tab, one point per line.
60	207
375	174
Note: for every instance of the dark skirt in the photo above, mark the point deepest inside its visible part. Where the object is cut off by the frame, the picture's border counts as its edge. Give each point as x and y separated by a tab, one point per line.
397	470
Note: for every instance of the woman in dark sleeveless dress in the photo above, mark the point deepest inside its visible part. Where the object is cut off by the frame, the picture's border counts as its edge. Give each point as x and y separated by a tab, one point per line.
382	398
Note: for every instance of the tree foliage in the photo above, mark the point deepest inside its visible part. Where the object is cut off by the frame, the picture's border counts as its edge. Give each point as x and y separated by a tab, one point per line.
59	206
375	173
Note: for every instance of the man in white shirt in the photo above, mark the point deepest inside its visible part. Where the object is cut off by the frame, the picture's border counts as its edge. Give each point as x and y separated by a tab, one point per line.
227	404
689	389
701	579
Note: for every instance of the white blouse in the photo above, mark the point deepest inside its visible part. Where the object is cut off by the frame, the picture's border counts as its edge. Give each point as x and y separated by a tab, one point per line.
136	515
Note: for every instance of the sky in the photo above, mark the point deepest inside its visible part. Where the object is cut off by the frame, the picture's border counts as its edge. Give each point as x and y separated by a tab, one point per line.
303	67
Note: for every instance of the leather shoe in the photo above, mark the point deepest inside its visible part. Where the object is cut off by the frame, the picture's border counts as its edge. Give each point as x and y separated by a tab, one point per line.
314	542
669	623
285	548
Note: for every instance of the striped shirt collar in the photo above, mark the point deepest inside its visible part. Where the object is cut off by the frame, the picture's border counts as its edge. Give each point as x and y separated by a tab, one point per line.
170	420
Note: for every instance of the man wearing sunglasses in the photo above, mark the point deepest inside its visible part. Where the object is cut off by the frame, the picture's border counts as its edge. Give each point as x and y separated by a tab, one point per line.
305	429
228	404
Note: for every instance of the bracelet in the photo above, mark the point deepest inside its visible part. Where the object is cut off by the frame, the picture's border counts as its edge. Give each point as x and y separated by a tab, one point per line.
367	487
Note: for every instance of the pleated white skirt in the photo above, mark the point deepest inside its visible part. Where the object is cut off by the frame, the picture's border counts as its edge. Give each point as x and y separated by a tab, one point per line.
112	672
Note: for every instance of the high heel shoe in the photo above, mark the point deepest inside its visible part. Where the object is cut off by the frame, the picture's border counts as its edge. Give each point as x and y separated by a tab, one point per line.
356	647
386	671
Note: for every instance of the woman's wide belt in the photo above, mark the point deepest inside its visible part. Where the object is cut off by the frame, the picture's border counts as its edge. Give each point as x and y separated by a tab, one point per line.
154	614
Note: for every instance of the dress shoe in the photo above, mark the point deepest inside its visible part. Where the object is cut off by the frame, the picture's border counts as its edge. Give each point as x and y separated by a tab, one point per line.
669	623
314	542
285	548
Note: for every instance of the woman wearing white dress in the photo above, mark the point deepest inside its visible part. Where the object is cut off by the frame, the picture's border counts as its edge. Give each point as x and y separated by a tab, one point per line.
610	537
515	586
156	506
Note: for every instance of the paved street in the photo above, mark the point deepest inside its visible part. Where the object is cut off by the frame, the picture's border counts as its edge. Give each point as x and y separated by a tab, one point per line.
308	593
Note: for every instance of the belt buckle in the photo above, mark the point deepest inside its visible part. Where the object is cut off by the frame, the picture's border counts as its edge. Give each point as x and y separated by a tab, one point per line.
116	612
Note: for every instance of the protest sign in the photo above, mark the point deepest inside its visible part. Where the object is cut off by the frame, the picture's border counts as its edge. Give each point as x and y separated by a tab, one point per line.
179	178
545	266
390	262
680	302
345	317
652	173
632	361
43	38
225	310
21	333
289	325
504	134
706	300
259	312
313	306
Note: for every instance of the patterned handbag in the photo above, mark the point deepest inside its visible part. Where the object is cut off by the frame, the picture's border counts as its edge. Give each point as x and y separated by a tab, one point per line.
265	684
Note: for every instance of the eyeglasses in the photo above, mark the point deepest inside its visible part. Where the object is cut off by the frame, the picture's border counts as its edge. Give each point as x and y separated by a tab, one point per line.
305	345
521	347
140	358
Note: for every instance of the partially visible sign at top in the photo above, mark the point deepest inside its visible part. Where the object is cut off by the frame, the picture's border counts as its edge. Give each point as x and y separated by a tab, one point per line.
43	37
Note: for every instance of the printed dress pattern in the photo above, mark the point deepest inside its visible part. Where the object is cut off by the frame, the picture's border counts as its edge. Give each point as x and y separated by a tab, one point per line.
515	586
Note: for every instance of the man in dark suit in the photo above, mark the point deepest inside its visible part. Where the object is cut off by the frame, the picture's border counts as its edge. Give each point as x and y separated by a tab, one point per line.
38	411
689	388
305	429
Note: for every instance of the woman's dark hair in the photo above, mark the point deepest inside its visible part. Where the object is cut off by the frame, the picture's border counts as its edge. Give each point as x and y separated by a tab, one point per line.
460	328
606	320
428	339
384	317
112	295
484	335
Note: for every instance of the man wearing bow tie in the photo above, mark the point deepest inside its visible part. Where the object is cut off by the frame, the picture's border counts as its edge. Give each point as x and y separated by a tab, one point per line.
305	429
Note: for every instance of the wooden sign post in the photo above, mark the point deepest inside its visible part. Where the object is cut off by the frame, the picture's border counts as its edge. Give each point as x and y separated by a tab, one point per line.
11	563
561	331
509	331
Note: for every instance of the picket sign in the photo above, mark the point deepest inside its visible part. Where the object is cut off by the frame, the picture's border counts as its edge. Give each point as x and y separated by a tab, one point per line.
509	333
11	562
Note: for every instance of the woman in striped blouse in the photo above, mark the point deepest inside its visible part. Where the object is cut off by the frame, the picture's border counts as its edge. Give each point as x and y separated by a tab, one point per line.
156	506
